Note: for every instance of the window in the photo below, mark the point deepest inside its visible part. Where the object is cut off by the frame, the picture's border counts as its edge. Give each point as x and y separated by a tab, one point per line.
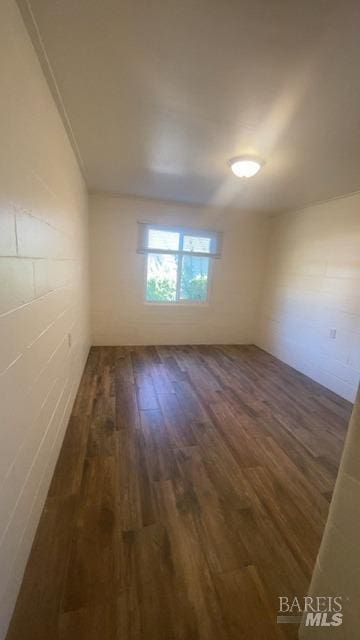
177	262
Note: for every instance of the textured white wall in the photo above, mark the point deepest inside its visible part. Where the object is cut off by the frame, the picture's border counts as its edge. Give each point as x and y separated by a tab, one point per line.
118	311
312	287
337	567
43	295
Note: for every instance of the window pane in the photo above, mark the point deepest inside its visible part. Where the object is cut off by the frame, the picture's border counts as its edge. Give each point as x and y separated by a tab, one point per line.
197	243
161	277
167	240
194	278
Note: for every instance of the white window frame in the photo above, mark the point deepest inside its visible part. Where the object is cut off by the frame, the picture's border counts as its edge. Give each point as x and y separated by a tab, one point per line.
182	231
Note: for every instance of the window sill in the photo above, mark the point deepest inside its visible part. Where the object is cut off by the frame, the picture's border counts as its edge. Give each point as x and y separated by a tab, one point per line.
176	304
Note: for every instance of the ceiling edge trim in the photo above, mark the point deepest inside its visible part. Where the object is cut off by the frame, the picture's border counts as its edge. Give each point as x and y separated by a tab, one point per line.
38	44
178	203
317	203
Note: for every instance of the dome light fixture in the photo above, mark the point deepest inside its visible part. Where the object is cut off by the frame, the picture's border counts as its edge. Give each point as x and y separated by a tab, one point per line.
245	166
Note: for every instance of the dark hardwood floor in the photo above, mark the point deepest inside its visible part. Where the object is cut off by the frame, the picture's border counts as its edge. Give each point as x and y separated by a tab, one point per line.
191	491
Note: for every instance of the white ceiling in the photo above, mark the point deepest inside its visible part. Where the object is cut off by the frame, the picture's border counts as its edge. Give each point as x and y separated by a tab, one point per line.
161	93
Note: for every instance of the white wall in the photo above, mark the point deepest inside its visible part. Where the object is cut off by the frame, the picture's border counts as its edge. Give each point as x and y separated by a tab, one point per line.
119	314
43	295
337	568
312	287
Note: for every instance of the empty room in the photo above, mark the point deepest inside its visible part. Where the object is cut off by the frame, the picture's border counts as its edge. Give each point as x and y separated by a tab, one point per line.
179	320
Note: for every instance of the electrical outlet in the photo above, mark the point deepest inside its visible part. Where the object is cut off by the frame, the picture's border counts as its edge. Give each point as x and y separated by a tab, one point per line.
332	334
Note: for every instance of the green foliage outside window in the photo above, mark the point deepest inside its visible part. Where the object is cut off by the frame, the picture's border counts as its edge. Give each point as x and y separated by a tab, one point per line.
194	274
161	283
160	290
194	288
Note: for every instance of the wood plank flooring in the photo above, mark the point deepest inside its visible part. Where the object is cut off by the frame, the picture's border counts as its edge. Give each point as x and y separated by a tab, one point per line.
191	491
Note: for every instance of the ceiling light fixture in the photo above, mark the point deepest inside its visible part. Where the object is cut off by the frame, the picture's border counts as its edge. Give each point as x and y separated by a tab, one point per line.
245	166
